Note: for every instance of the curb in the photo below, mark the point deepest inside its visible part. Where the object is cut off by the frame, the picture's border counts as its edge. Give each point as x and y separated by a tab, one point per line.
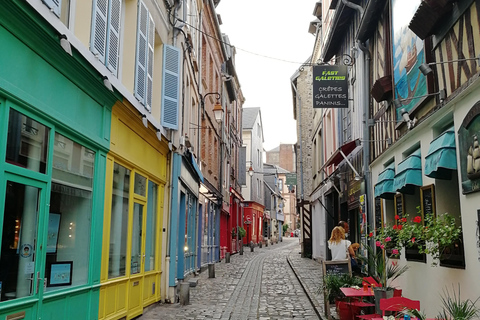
313	301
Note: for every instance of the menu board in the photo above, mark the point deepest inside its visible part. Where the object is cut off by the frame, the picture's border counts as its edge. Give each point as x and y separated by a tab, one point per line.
378	213
427	195
399	205
337	267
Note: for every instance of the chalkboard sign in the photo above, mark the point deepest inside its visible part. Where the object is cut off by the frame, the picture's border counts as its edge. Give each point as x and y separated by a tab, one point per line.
378	213
330	86
427	195
337	267
399	204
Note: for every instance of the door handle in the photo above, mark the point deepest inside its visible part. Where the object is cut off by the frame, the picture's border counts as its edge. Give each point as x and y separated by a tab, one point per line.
38	282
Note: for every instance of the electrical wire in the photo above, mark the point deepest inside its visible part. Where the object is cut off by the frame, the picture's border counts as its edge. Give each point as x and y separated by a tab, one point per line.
232	46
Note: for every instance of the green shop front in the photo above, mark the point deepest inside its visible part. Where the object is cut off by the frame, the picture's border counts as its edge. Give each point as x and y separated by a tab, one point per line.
54	136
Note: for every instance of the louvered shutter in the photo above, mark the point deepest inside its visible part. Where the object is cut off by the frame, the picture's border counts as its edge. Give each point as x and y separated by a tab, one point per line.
54	5
170	86
140	68
99	29
114	35
151	44
242	163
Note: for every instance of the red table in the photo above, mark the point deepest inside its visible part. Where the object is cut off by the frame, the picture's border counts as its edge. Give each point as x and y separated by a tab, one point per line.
352	292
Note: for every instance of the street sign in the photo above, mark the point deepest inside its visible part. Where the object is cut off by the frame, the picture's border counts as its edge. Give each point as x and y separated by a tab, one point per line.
291	179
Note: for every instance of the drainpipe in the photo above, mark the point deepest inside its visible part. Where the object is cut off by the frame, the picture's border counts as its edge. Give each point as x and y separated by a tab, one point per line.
366	133
299	116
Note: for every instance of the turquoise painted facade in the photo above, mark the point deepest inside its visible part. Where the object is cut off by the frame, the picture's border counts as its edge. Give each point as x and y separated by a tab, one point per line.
55	116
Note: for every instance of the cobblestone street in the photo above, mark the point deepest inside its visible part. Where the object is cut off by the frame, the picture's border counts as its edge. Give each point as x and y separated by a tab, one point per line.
257	285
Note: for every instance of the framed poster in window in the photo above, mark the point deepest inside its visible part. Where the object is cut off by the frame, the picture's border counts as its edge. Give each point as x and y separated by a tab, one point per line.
60	274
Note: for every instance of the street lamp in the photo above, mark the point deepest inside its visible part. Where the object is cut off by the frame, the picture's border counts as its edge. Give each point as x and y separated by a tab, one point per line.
217	108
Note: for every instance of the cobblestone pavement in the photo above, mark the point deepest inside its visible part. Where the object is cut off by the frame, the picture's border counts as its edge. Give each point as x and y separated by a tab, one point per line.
271	283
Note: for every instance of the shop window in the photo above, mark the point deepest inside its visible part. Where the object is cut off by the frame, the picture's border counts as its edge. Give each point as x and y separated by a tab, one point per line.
27	142
119	222
151	231
70	216
140	185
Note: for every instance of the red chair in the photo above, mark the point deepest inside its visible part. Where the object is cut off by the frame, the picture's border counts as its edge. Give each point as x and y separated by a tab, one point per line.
396	304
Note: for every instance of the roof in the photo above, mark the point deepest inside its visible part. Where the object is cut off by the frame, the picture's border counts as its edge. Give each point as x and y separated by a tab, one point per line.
249	117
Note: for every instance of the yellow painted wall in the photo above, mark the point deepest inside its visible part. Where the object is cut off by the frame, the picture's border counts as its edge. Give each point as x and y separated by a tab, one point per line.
83	21
138	149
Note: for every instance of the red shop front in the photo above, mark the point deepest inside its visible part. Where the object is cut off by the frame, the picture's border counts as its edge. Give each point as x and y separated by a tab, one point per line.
252	221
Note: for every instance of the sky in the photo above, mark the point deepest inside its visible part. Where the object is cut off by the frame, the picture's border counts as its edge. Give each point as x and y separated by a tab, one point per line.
272	41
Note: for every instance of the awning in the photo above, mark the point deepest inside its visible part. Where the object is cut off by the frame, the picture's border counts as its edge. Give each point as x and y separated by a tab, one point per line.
337	156
409	174
384	187
441	158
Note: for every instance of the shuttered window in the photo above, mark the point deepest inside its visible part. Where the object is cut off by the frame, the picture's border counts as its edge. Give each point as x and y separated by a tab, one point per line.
170	86
105	38
144	59
54	5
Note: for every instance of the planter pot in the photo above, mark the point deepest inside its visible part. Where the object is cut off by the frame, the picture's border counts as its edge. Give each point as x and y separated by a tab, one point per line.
346	311
381	293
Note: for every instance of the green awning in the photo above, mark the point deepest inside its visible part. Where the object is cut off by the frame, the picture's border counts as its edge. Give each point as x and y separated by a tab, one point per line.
441	158
409	174
384	187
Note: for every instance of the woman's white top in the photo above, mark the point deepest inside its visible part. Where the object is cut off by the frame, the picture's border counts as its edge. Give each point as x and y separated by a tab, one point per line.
339	250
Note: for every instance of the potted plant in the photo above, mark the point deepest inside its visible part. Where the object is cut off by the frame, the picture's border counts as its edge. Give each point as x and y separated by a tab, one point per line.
380	268
241	233
331	286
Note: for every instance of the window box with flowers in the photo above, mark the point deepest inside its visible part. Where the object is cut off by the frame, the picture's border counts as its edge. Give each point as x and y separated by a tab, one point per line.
436	236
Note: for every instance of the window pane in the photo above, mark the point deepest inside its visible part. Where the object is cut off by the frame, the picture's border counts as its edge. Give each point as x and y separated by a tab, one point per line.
70	216
19	238
140	184
151	234
137	238
27	142
119	221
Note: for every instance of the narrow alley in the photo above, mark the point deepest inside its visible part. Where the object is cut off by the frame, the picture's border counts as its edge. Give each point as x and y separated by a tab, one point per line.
256	285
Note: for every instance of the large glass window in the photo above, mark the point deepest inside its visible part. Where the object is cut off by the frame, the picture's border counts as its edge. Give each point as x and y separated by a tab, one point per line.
27	142
119	221
136	261
151	229
70	215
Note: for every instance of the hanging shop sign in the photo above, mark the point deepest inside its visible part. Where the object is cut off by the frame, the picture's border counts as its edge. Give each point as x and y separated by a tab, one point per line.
330	87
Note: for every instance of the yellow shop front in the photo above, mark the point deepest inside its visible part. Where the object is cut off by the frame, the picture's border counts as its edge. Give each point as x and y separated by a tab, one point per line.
136	175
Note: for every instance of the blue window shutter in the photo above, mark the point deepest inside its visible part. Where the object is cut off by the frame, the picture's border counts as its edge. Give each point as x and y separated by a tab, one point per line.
113	41
99	29
151	45
54	5
141	59
170	86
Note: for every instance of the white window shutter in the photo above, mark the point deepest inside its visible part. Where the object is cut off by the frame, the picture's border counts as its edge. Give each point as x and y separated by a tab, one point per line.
113	43
151	45
170	86
141	59
54	5
99	29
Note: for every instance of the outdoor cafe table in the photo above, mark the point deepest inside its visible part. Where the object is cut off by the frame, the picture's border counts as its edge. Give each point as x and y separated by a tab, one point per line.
358	293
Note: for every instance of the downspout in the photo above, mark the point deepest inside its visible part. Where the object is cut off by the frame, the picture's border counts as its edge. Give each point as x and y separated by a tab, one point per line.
299	108
366	133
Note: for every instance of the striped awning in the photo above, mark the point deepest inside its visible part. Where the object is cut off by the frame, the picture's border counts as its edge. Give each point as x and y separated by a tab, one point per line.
384	187
409	174
441	158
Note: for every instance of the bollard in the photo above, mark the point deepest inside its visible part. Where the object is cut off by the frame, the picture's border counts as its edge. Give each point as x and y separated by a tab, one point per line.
211	270
184	293
241	249
227	257
251	246
260	244
266	243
